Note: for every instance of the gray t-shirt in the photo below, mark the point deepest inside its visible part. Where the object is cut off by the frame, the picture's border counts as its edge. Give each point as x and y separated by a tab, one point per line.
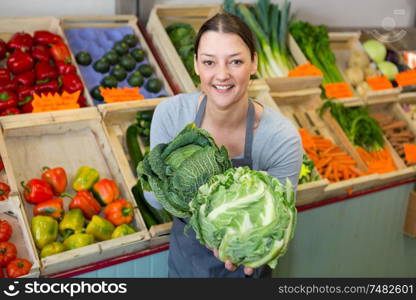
277	147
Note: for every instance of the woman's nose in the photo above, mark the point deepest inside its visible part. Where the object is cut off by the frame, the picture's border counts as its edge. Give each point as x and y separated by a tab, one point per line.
222	72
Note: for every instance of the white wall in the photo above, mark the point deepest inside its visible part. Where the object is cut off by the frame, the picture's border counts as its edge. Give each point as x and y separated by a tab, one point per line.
10	8
341	13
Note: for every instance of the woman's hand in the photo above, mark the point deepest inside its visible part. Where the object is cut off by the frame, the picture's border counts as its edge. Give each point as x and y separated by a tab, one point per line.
229	265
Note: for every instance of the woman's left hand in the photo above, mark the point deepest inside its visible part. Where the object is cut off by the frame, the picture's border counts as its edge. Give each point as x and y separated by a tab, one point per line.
231	267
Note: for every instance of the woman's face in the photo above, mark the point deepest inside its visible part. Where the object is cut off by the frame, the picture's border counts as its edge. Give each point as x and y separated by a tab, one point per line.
224	65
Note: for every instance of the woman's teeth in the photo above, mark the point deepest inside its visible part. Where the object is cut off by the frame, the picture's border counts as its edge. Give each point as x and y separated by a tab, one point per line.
223	87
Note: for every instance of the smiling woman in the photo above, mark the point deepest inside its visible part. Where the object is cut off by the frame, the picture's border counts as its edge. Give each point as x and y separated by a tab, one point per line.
255	135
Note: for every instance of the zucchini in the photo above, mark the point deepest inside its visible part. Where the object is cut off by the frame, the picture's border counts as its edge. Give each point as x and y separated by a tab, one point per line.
133	147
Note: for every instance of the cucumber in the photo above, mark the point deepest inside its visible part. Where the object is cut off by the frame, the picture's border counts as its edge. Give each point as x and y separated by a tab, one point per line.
147	216
133	147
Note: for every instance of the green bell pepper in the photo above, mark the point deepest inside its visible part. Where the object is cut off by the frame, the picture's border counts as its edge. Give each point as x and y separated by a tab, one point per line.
73	222
44	230
100	228
78	240
51	249
85	178
122	230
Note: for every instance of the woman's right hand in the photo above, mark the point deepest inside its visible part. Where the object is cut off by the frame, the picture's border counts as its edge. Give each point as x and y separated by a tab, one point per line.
229	265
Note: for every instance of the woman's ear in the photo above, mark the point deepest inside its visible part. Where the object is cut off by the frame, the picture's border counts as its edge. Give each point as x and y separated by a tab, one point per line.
254	64
196	66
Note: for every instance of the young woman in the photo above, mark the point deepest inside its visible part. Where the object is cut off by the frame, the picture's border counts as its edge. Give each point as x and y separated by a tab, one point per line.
255	135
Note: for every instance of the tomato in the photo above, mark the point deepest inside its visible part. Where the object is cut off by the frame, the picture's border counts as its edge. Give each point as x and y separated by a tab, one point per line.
1	273
8	252
6	231
18	267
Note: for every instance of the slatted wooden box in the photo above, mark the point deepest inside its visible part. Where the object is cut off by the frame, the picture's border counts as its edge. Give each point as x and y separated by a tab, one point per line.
301	108
343	45
70	139
117	21
13	212
162	16
11	25
117	118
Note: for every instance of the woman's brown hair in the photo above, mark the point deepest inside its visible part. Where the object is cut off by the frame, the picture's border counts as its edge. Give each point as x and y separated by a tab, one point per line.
228	23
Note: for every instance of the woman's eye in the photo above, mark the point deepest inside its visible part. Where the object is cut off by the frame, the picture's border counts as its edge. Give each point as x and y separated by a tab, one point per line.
236	62
208	62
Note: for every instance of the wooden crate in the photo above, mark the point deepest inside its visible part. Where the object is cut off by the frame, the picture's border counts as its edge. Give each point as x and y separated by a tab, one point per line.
117	118
70	139
11	25
301	108
404	171
162	16
343	44
117	21
13	212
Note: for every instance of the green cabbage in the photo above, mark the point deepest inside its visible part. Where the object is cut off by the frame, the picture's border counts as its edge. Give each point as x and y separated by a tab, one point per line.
174	171
248	215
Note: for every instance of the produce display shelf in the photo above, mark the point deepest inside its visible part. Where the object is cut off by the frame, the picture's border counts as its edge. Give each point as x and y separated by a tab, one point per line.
344	44
164	247
68	139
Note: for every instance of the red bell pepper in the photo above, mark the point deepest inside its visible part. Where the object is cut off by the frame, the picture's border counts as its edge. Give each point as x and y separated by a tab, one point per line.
60	52
5	75
37	191
4	191
25	79
19	62
41	52
48	87
71	83
105	191
46	37
8	86
64	68
24	95
3	49
20	40
27	107
82	101
53	208
45	72
1	165
7	99
10	111
119	212
85	201
56	177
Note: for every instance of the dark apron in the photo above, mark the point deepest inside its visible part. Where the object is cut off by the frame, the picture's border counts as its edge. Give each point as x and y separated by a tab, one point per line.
187	257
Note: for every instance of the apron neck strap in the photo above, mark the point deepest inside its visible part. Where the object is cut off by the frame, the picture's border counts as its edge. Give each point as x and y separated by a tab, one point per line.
248	143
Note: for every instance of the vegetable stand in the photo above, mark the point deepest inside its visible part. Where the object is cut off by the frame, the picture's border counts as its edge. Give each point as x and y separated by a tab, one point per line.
347	47
162	16
98	35
55	139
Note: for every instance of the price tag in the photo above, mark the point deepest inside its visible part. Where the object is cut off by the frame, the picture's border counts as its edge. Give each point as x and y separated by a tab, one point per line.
49	102
410	152
406	78
338	90
112	95
378	83
306	69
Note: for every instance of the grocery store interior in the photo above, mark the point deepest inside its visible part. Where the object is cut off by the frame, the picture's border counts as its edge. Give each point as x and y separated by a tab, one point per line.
80	80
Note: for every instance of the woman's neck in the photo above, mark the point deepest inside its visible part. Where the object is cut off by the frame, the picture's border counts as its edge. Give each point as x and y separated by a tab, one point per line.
233	116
